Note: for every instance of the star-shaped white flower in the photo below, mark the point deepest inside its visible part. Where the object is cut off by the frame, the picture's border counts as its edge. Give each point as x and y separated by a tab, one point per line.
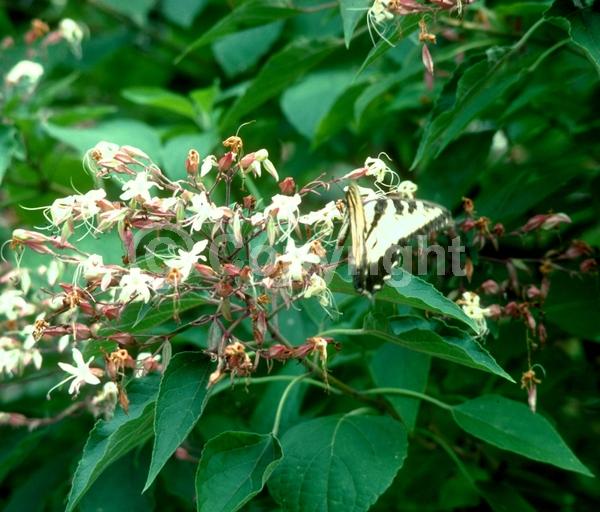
135	285
285	208
204	210
295	257
79	374
139	188
323	217
186	259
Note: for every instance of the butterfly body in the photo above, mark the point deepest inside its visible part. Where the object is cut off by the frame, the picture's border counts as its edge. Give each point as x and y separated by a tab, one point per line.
380	225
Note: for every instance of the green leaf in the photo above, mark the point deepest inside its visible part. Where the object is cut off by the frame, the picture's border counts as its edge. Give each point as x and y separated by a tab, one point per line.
110	440
234	468
352	11
182	12
238	52
573	304
306	103
478	87
454	345
138	317
338	463
583	25
181	400
119	131
394	366
162	99
411	291
249	14
136	10
281	70
512	426
108	494
8	148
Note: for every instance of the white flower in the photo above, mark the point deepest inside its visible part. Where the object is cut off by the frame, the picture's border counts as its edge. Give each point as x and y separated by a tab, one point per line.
87	204
207	164
72	33
13	305
407	189
82	207
93	268
61	210
144	362
261	160
257	219
295	257
186	259
323	217
79	374
317	287
204	210
105	401
10	356
25	70
470	303
135	285
139	188
378	168
285	208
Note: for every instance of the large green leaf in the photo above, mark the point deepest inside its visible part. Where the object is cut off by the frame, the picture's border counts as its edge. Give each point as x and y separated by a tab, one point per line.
181	400
306	103
512	426
162	99
394	366
249	14
352	11
453	345
411	291
108	494
281	70
338	463
238	52
234	467
110	440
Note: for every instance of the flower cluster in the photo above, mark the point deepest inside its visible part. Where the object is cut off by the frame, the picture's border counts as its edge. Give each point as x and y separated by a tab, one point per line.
248	258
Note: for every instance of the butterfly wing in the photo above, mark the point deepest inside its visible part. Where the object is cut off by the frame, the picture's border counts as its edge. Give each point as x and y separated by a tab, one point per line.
380	227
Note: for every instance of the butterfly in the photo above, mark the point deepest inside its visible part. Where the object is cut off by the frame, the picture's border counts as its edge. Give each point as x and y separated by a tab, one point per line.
380	224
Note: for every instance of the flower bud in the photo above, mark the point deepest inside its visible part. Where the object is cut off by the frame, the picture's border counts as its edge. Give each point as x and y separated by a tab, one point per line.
226	161
588	265
288	186
490	287
249	202
192	163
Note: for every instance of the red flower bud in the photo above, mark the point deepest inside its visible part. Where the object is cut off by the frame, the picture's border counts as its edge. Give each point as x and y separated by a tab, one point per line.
490	287
288	186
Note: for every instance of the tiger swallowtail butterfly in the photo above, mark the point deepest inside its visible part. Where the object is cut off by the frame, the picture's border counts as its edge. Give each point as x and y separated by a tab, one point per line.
380	224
